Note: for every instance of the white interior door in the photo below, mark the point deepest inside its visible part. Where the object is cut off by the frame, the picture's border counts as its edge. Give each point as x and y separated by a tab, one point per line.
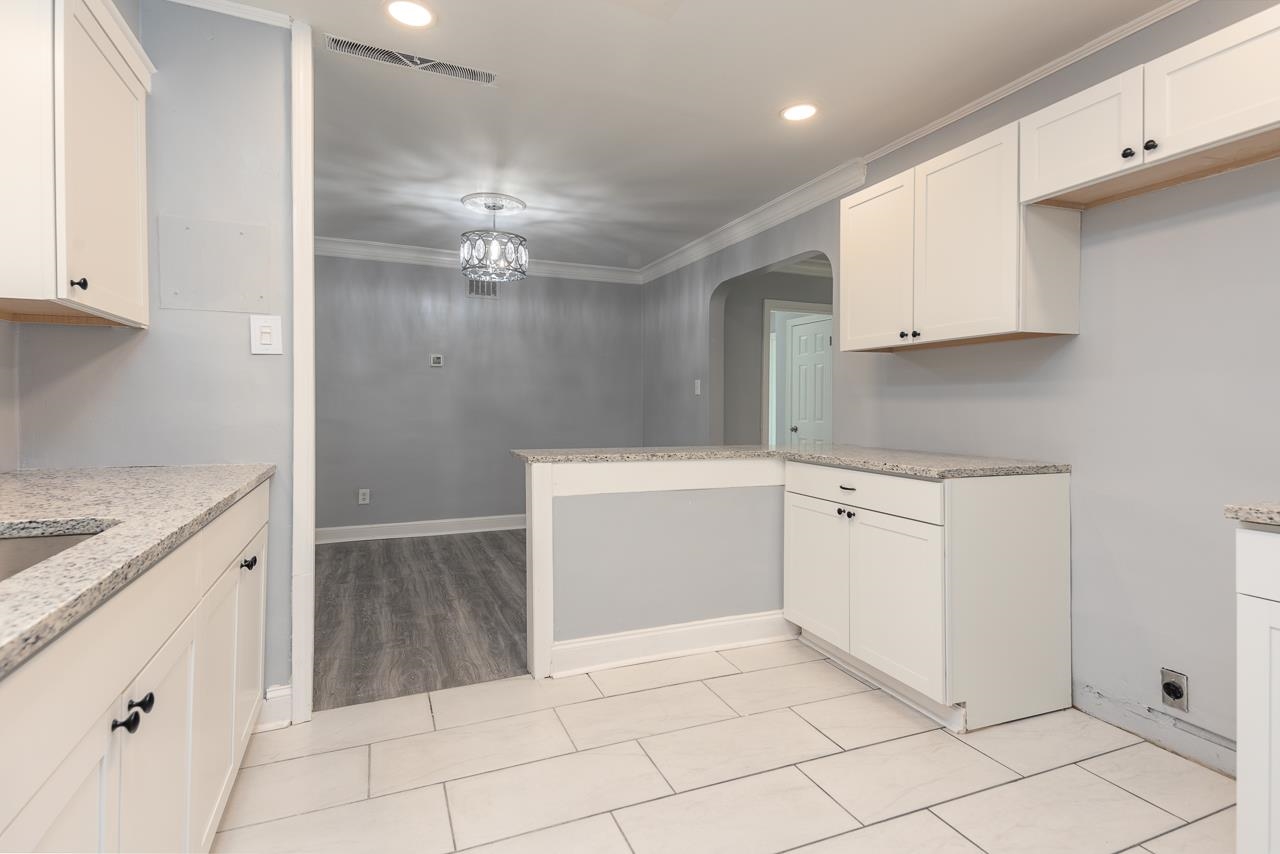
809	378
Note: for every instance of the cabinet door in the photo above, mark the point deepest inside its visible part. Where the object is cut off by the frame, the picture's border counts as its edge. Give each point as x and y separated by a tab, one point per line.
966	246
75	808
154	761
213	705
1225	85
815	574
897	610
876	263
1083	138
249	639
104	135
1258	723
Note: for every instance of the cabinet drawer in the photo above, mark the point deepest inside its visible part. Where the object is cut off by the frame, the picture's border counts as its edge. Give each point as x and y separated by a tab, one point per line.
1258	564
229	534
897	496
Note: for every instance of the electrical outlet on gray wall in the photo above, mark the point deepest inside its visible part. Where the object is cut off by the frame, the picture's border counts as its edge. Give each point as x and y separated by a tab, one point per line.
1174	691
362	496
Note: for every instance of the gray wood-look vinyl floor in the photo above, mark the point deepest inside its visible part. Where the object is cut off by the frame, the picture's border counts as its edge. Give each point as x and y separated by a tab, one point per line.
397	617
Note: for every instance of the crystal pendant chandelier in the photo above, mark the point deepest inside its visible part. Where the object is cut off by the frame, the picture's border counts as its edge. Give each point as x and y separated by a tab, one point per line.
491	255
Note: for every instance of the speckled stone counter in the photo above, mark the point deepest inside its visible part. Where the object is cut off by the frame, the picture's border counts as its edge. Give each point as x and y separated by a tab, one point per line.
142	513
1260	513
886	461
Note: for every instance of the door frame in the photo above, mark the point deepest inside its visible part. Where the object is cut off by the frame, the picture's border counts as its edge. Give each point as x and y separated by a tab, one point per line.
770	306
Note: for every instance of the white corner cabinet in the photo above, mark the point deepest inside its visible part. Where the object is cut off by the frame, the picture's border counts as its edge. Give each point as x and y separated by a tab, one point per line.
125	733
945	252
1204	108
953	594
73	229
1258	688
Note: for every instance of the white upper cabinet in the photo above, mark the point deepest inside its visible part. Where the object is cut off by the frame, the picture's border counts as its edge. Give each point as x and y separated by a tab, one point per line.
1092	135
74	226
1223	86
877	228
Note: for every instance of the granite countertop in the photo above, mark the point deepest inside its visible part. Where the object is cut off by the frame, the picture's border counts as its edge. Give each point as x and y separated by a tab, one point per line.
886	461
143	514
1260	513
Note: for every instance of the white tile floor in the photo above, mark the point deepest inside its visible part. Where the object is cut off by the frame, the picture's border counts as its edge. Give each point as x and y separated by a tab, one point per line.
760	749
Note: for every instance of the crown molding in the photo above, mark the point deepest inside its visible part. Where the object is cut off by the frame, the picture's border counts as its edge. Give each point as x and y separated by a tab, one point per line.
367	250
832	184
1105	40
240	10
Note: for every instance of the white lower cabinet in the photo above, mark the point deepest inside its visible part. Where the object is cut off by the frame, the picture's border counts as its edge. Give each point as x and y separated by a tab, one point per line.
212	729
1258	691
964	610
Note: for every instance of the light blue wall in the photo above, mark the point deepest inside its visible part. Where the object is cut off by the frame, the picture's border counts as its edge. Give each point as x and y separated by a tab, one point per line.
187	390
550	363
8	396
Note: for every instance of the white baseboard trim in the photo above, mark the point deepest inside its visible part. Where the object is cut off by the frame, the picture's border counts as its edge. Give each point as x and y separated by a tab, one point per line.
277	709
425	528
571	657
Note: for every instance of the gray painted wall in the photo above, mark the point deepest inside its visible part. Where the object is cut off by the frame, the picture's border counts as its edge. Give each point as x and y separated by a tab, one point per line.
551	363
131	11
187	390
701	553
8	396
1161	404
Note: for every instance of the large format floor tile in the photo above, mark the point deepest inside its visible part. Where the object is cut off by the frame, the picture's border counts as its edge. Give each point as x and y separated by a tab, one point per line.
765	813
267	792
918	833
655	674
897	777
448	754
1213	835
867	718
1037	744
414	822
348	726
734	748
629	716
489	700
528	797
1065	811
1182	787
596	835
777	687
764	655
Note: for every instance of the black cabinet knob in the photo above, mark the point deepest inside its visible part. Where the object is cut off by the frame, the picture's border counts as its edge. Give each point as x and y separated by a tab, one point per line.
839	511
1150	145
915	334
130	723
147	703
1127	153
82	284
902	335
249	563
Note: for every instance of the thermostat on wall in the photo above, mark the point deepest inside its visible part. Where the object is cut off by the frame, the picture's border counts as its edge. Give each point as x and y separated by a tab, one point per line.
437	360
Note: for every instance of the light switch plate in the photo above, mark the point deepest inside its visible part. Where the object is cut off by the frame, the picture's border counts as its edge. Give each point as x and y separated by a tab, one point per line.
266	335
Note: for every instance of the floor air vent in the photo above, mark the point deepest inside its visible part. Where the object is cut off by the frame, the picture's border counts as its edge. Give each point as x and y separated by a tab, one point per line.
483	290
408	60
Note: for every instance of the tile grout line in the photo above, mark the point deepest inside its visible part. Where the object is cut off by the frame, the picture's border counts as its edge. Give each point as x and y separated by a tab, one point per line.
1183	827
1184	822
861	824
960	832
1012	771
673	789
621	832
448	814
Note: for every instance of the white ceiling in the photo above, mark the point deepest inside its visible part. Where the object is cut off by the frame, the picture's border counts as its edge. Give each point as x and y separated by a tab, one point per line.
632	127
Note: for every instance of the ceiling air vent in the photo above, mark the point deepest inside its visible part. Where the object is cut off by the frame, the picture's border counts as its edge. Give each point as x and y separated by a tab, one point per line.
408	60
482	289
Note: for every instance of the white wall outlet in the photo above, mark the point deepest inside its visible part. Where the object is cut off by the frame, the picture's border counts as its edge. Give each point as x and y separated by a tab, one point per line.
437	360
362	496
266	335
697	388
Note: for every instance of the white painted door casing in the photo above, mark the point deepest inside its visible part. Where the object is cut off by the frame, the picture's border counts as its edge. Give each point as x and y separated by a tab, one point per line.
809	378
815	573
1083	138
877	238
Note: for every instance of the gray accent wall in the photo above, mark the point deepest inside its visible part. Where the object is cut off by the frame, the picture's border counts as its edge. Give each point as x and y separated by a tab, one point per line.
550	363
636	560
186	390
8	396
1163	404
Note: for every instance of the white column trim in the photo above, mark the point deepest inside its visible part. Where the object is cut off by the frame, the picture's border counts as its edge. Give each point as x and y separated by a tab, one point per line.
539	553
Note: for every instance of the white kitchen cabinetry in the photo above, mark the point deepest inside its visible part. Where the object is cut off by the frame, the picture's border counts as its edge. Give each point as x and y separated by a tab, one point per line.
1092	135
73	230
944	252
1258	689
954	594
140	721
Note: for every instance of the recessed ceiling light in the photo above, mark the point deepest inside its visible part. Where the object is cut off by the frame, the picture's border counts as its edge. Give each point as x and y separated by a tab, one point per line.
799	112
409	13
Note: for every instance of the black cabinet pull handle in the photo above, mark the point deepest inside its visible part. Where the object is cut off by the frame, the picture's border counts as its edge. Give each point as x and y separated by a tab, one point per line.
147	703
1127	153
130	724
902	334
1150	145
848	488
249	563
82	284
915	334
